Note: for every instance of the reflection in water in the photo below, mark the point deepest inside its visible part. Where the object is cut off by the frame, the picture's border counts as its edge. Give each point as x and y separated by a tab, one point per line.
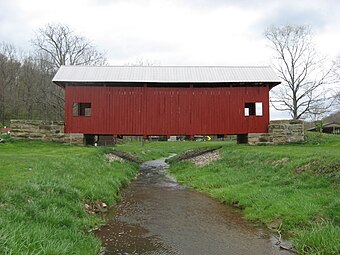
160	216
122	238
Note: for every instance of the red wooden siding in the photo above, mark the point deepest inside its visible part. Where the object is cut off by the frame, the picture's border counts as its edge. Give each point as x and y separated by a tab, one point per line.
166	111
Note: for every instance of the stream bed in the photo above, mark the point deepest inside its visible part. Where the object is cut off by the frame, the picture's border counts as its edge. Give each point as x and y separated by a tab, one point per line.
160	216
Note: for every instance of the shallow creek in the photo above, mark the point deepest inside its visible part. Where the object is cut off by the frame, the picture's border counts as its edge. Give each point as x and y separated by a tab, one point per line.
159	216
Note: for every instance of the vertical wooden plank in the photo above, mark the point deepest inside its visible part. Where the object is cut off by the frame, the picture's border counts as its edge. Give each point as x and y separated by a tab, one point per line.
168	111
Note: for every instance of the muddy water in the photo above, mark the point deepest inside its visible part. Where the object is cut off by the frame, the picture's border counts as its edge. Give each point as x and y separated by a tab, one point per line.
160	216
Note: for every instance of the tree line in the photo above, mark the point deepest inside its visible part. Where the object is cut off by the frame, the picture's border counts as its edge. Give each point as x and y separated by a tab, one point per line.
26	90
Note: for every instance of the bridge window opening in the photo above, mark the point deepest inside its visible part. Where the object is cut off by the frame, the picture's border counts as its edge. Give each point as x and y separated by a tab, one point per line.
253	109
249	109
81	109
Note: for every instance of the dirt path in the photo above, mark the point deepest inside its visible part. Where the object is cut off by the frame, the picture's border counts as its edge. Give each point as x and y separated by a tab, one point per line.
159	216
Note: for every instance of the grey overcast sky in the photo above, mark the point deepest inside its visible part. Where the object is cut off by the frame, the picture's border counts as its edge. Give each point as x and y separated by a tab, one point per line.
175	32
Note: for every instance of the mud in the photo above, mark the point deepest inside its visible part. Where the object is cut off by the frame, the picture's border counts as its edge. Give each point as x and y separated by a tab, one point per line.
160	216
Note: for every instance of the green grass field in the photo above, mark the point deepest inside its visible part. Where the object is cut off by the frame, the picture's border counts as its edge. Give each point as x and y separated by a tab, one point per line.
43	189
44	186
296	186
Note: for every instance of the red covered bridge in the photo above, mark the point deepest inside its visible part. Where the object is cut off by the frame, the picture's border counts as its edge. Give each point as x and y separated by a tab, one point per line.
166	100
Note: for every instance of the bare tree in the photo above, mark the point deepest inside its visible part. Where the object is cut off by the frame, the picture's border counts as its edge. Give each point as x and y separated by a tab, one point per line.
58	45
143	62
337	78
301	70
36	92
9	68
318	111
26	91
337	97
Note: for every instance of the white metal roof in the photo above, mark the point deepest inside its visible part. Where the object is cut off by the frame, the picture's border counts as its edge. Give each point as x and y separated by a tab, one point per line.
165	74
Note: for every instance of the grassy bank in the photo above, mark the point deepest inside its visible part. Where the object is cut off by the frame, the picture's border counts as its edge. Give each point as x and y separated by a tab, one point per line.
292	188
43	189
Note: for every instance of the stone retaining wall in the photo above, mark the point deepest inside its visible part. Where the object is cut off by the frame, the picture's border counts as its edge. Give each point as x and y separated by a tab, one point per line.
279	132
43	130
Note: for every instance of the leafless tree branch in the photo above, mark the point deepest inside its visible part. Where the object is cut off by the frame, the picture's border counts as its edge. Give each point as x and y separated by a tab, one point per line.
61	46
298	65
